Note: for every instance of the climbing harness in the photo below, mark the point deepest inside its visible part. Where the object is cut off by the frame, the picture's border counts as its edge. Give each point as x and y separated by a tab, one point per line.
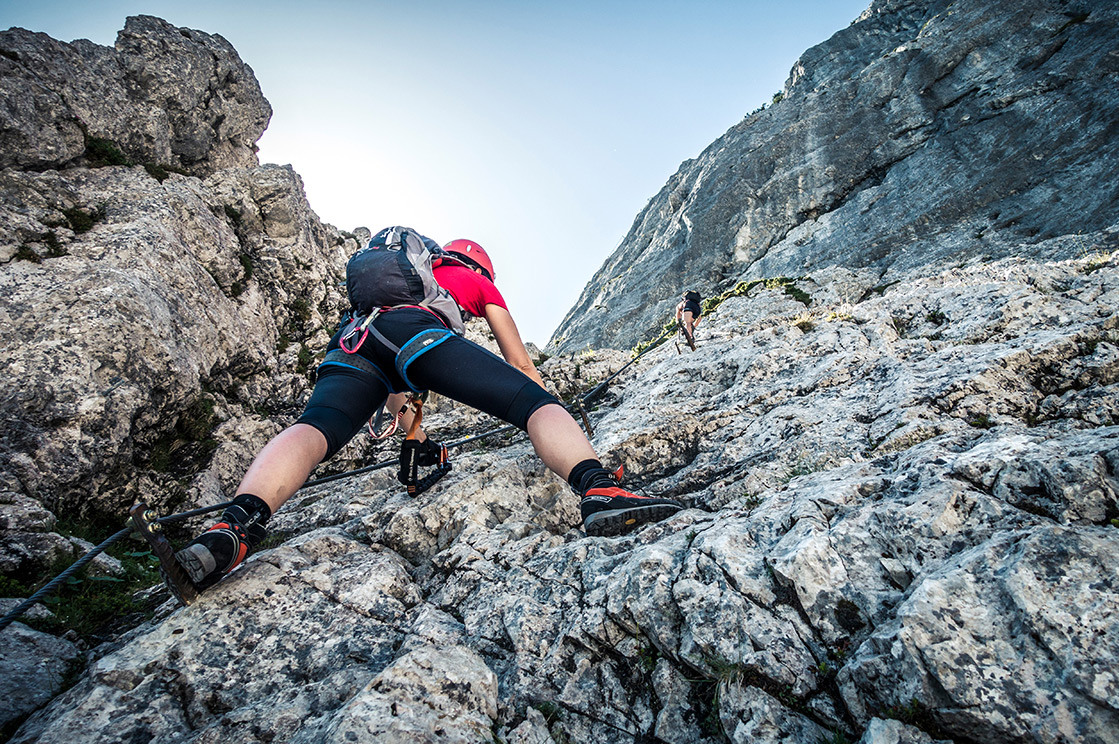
374	424
405	355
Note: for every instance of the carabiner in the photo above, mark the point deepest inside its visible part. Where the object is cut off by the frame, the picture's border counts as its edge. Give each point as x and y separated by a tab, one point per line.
363	327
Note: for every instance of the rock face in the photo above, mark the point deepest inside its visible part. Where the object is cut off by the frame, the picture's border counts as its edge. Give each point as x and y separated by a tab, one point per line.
32	669
927	132
157	326
164	95
902	486
899	506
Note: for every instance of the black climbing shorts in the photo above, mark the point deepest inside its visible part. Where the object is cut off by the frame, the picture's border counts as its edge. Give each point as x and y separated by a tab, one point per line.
693	307
348	392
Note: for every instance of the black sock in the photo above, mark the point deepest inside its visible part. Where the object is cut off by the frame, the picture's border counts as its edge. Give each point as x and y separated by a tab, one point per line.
248	510
589	474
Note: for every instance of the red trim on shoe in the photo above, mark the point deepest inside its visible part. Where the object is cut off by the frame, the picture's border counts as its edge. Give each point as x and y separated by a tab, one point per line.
242	543
614	492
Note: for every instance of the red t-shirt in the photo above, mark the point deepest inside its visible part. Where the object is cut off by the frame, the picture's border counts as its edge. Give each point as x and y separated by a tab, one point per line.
471	291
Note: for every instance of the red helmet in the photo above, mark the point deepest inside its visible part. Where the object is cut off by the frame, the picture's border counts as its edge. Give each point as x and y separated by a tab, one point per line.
473	254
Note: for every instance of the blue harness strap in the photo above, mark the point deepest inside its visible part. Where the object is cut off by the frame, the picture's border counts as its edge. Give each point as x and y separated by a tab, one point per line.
339	358
412	350
421	343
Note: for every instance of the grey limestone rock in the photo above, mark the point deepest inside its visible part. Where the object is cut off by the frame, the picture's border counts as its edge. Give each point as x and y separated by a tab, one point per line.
926	132
532	730
157	327
899	473
33	669
28	544
164	95
1037	603
889	731
278	667
750	714
445	694
861	547
152	326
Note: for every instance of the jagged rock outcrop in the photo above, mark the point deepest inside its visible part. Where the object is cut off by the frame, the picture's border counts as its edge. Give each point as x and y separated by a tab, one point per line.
157	326
899	504
927	132
166	96
185	305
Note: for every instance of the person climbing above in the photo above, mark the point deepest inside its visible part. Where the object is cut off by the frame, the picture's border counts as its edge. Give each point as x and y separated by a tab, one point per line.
383	349
688	314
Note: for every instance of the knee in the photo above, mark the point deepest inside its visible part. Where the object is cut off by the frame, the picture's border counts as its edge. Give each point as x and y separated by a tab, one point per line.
543	411
309	440
333	426
528	400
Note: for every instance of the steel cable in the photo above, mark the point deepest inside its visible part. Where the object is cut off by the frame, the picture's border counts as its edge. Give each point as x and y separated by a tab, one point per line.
50	586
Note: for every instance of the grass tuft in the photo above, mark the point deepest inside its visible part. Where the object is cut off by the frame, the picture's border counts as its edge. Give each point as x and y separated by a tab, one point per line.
25	253
92	606
981	421
82	221
101	152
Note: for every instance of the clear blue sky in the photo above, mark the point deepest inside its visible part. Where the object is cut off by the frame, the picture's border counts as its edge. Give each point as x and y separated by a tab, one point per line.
537	129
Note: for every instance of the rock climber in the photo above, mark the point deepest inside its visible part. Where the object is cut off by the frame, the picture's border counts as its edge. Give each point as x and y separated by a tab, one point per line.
688	314
345	396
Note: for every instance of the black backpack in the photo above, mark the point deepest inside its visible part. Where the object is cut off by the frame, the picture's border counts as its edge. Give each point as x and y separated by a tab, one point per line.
395	269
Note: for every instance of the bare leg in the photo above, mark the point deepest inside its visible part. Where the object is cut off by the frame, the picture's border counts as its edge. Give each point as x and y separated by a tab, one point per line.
277	472
284	464
689	329
606	509
558	440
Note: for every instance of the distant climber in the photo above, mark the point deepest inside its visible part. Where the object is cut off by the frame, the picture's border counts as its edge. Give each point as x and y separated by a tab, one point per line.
688	314
413	347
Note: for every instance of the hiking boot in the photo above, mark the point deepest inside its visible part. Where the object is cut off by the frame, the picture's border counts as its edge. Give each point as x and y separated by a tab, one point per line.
610	511
220	549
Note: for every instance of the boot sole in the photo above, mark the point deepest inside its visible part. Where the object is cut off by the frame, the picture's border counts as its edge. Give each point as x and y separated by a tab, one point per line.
623	521
192	565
